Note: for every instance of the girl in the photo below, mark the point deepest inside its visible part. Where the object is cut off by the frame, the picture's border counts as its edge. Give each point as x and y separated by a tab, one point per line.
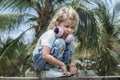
55	47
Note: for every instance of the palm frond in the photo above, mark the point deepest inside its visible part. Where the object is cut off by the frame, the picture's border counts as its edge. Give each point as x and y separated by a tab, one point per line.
14	58
16	5
11	44
94	35
10	21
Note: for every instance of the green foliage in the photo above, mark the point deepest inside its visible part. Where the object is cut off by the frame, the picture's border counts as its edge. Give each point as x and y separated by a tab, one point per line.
95	35
13	57
6	19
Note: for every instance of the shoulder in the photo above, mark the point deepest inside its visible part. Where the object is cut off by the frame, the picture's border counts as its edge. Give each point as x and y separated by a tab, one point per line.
50	32
48	38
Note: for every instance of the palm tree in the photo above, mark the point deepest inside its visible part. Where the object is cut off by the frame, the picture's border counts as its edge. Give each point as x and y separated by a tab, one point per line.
14	62
96	35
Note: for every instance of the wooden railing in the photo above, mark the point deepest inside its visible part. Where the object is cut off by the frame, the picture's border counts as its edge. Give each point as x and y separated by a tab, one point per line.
64	78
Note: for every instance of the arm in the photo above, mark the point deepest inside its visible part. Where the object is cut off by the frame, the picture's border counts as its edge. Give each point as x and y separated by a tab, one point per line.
52	60
49	58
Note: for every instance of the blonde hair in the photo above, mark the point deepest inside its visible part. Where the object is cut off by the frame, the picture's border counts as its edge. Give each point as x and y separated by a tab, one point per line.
66	12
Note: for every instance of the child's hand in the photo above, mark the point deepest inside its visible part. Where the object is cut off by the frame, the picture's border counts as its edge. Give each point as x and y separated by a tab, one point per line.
64	69
73	70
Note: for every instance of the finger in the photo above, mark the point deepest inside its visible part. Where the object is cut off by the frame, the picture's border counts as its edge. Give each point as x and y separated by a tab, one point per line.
64	73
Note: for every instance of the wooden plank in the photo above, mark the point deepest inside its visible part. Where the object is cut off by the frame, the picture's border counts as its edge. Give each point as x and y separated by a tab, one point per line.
64	78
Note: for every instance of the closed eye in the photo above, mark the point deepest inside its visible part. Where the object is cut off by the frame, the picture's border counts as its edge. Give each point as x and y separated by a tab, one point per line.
72	28
66	26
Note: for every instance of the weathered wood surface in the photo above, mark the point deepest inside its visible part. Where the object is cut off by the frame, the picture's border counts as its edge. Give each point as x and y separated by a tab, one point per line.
65	78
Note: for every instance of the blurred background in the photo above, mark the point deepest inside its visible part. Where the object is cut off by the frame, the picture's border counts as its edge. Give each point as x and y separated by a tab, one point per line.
98	36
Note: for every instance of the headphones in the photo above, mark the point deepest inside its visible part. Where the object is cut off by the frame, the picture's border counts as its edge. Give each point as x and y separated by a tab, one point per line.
59	33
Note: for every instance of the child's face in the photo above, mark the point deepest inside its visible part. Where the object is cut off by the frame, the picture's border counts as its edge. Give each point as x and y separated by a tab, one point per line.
68	26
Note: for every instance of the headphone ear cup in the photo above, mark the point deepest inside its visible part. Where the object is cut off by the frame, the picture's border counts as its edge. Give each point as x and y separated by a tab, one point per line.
69	38
58	31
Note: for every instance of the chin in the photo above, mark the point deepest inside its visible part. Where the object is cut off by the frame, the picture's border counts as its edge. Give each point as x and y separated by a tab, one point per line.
65	35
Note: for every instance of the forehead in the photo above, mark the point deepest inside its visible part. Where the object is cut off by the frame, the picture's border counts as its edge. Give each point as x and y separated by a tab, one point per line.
69	22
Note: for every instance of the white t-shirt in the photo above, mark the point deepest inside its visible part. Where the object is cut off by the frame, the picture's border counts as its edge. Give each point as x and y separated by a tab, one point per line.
47	39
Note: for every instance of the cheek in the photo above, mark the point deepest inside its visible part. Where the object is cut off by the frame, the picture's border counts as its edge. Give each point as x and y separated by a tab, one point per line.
64	30
65	33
